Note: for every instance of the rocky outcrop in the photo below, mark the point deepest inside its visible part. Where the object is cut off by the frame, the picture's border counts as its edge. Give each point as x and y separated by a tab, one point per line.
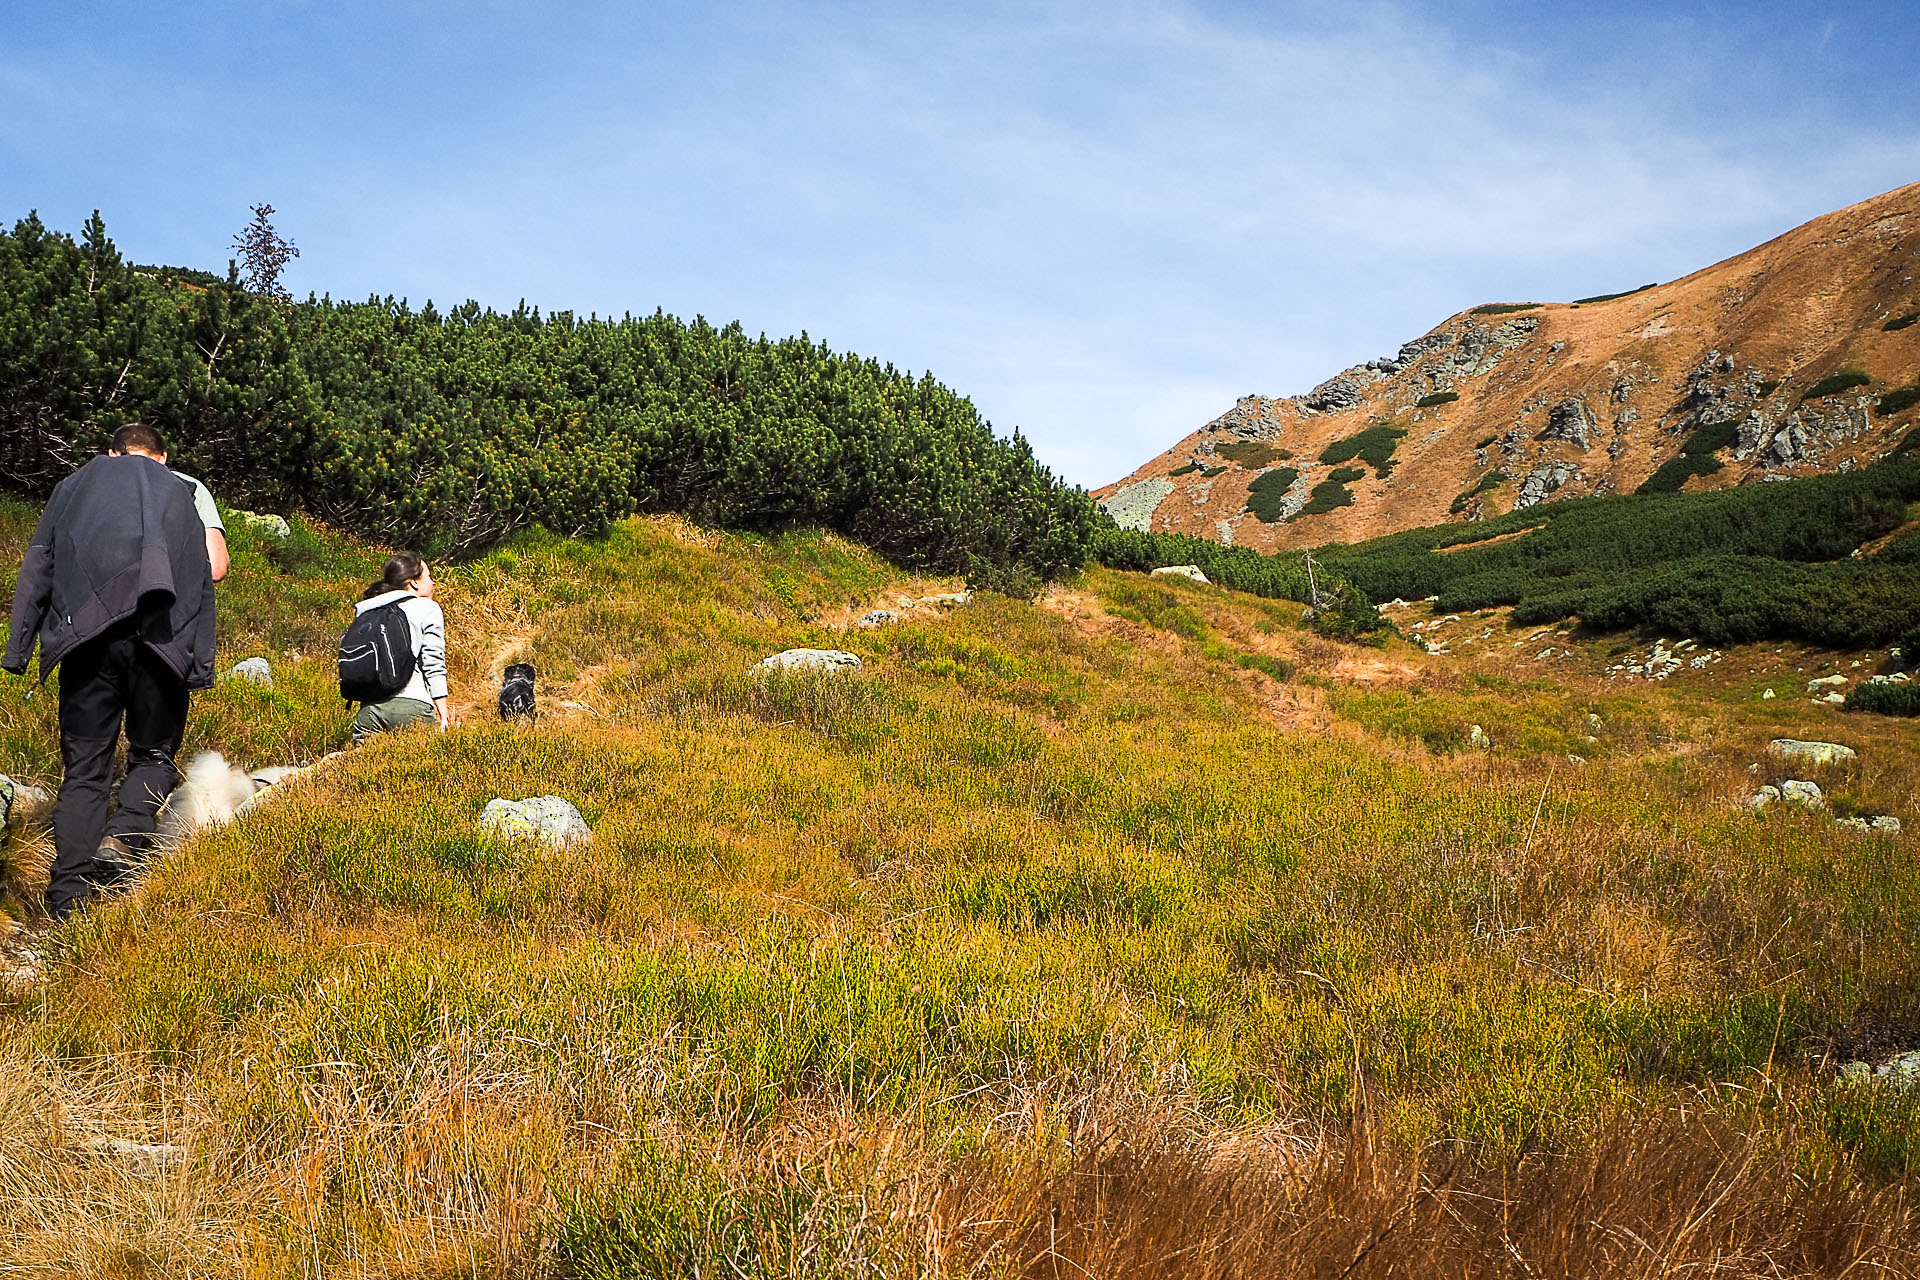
1571	421
1542	481
1343	391
1181	570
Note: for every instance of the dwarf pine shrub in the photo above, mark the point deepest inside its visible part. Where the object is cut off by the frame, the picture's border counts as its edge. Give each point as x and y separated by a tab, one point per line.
1266	496
448	431
1885	697
1836	382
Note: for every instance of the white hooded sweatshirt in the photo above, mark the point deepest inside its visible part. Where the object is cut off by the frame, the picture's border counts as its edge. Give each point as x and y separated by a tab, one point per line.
428	626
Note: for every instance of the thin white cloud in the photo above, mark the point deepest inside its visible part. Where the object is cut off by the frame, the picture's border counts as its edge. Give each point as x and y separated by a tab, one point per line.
1101	222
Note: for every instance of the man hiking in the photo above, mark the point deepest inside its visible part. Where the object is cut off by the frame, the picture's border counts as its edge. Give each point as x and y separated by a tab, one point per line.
117	588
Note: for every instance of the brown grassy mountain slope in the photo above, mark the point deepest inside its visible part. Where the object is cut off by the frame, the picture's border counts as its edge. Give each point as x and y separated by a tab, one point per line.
1564	399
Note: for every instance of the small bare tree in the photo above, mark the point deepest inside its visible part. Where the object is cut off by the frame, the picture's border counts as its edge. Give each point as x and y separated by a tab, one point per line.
264	254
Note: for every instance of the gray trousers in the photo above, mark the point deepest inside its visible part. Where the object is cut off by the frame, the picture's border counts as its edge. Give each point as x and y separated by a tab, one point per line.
394	713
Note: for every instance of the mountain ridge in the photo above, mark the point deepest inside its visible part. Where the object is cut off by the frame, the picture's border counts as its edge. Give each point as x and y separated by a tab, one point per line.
1776	362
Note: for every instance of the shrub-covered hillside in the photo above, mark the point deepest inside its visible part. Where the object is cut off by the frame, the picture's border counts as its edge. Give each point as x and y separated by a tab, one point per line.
446	431
1798	559
1058	938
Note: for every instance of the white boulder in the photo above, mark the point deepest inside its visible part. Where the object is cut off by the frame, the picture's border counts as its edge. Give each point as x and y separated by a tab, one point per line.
547	818
810	660
1181	570
1794	751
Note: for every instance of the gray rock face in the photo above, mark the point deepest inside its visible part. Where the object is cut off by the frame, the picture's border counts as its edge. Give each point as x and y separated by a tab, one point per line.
1132	506
1818	754
810	660
877	618
1412	351
1571	421
547	818
1342	391
253	671
1181	570
1251	417
1749	435
1542	481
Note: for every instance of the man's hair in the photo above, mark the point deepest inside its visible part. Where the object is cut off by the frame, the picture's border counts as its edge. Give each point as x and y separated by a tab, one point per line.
138	437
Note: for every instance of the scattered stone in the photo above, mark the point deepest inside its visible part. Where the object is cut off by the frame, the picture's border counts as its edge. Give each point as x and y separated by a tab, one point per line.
1766	694
147	1153
547	818
1763	797
1900	1072
1819	754
949	599
1818	683
1884	825
1594	723
810	660
877	618
1477	737
272	526
1576	759
1183	570
253	671
1835	698
1805	794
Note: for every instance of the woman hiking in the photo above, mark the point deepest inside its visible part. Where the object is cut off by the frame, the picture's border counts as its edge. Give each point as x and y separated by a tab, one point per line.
408	583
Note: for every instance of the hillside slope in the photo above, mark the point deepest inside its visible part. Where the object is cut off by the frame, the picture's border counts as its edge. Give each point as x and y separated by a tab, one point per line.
1528	403
1139	923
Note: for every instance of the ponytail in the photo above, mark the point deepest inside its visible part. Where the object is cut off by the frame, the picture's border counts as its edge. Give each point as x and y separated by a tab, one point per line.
402	567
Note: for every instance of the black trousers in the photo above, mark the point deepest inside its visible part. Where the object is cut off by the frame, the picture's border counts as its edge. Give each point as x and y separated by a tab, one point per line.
109	680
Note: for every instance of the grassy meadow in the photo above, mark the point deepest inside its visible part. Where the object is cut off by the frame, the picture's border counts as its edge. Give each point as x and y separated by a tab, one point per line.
1136	932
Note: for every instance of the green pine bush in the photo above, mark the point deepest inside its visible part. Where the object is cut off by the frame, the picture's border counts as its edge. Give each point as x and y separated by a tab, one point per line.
1268	491
1836	382
446	432
1885	697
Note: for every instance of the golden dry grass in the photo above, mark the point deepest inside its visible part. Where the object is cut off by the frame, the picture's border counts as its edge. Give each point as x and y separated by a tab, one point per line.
1060	938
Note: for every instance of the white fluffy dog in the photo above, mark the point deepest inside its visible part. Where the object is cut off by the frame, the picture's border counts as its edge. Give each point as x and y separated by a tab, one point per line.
210	793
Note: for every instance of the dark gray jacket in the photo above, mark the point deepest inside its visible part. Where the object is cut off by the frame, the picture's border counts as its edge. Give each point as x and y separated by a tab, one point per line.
119	539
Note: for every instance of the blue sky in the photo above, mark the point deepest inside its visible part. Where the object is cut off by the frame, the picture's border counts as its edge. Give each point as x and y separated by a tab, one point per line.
1102	221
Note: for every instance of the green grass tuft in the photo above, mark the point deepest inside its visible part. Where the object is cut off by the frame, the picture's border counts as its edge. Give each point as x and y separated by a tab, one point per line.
1436	398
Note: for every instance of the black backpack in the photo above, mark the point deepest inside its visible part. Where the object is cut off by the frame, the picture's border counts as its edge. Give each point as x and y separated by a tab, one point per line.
376	654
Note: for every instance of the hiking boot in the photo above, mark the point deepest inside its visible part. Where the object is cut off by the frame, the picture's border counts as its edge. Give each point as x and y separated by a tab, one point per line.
120	856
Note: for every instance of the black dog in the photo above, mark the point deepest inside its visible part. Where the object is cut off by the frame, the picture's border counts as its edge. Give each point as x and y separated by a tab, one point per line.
516	691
